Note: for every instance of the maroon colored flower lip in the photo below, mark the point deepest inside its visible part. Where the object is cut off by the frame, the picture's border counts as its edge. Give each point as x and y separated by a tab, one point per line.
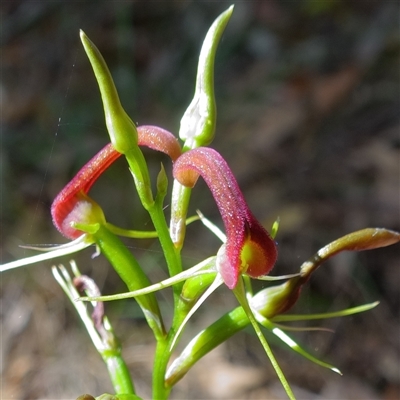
71	196
249	248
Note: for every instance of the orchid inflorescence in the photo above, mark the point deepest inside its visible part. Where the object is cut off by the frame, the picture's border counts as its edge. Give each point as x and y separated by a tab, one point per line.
247	252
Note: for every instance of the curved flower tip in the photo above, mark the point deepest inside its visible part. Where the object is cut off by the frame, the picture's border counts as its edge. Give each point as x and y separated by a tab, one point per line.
70	205
159	139
249	248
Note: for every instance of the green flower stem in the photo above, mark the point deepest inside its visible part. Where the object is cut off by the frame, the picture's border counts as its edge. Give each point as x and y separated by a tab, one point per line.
155	210
118	370
140	173
185	303
161	358
174	264
131	273
172	255
216	334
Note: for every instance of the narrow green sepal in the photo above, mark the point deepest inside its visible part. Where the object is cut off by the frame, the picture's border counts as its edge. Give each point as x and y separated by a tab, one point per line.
198	122
122	130
333	314
241	296
266	323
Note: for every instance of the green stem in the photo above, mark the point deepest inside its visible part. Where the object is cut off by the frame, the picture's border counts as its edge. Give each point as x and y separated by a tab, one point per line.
171	253
119	372
161	358
174	264
140	173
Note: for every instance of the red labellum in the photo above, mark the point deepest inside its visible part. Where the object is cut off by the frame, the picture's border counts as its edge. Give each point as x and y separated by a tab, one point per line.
159	139
249	248
69	199
66	207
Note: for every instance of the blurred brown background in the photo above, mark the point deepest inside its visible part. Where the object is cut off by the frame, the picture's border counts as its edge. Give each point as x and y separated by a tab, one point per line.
308	118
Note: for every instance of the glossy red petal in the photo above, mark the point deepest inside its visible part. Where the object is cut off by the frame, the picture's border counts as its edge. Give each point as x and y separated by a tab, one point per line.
66	202
249	248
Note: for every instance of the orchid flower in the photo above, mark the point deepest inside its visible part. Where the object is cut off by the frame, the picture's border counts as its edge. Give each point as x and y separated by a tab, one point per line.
249	249
68	207
72	206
